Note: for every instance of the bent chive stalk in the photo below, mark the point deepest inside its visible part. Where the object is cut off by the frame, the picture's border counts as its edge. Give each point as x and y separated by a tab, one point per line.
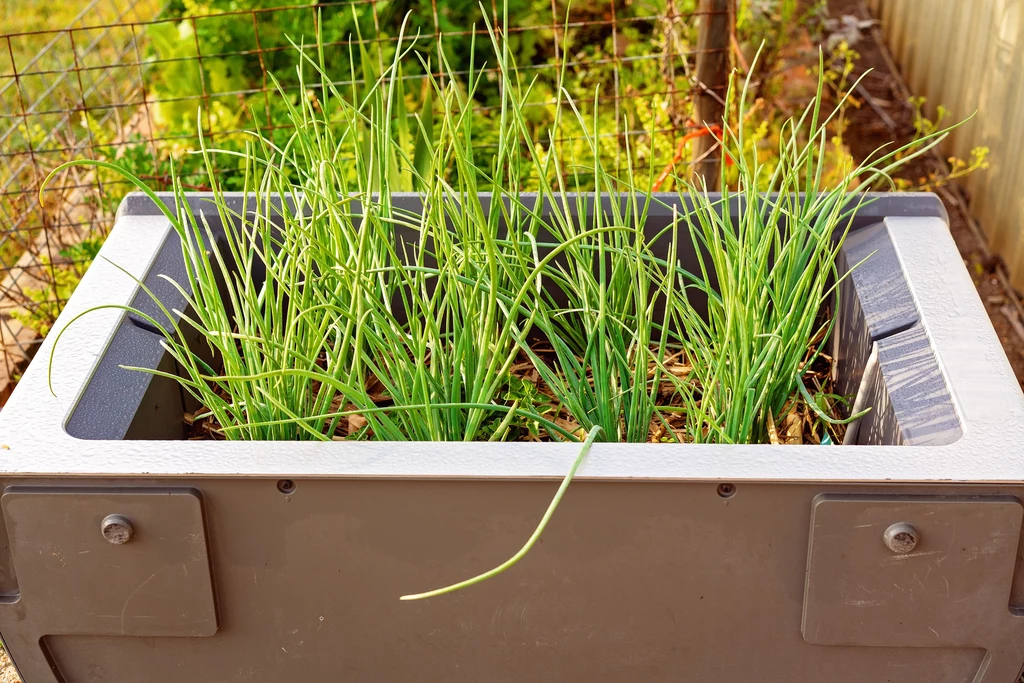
534	537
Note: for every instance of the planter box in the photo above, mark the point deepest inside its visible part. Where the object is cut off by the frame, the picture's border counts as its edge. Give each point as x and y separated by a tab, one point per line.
271	561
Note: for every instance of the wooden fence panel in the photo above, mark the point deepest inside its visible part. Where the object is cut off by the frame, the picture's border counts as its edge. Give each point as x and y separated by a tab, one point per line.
969	56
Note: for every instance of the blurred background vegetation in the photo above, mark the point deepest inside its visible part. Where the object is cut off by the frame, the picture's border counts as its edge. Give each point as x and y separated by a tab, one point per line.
133	82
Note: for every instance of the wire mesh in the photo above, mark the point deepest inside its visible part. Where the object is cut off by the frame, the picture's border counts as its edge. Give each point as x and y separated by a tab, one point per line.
139	89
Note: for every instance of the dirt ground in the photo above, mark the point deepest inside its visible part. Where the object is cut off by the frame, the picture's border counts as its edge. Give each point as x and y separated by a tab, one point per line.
868	130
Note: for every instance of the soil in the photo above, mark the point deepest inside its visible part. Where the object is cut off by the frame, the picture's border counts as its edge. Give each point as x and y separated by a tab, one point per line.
799	425
867	131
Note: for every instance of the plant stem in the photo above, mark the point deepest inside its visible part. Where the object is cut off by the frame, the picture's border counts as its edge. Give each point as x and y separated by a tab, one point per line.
584	449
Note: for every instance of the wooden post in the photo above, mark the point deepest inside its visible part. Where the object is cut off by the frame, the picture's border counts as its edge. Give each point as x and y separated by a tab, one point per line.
715	31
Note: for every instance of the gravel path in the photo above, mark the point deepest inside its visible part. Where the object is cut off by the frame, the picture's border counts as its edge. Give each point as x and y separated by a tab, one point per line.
7	672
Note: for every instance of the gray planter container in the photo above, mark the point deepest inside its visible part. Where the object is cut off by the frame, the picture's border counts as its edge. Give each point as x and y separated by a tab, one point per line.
273	562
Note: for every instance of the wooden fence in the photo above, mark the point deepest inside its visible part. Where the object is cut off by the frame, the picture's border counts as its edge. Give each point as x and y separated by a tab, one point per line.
968	55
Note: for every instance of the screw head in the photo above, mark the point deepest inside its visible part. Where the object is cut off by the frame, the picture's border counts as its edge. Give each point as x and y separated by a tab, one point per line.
901	537
117	529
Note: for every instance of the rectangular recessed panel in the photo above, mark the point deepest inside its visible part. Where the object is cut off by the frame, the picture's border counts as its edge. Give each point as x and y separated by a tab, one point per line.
951	590
74	581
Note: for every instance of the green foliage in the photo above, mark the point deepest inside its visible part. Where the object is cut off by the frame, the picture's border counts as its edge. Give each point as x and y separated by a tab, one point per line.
524	392
615	83
413	319
958	168
43	304
228	81
36	46
768	271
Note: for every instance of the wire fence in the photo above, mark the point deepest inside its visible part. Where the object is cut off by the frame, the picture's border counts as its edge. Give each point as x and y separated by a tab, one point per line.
139	89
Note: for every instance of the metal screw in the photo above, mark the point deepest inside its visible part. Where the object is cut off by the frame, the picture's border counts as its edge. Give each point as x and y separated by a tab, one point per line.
117	529
901	537
726	490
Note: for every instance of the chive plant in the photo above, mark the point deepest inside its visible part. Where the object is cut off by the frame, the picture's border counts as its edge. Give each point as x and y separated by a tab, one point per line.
320	299
767	253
